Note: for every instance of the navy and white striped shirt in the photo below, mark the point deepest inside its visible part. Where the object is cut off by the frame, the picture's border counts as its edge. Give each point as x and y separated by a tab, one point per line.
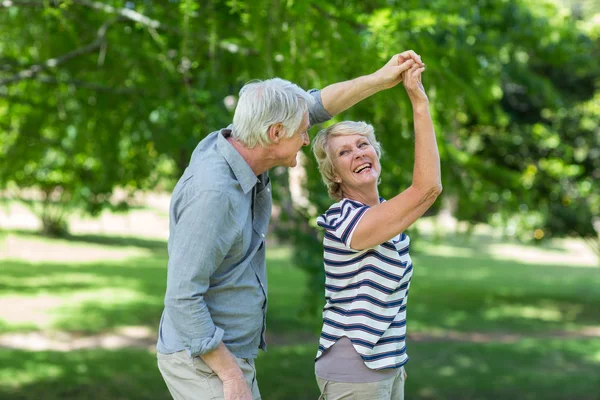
365	291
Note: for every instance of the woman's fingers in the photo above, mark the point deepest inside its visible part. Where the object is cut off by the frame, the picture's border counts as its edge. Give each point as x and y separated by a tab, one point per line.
417	74
409	76
413	76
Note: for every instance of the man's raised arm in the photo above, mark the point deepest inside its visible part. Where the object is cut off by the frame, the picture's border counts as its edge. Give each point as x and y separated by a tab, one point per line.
343	95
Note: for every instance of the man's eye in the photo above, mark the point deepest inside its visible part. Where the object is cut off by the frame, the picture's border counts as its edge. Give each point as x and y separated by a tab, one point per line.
363	144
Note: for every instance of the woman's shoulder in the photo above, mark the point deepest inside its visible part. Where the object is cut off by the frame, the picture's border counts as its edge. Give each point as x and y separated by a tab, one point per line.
340	211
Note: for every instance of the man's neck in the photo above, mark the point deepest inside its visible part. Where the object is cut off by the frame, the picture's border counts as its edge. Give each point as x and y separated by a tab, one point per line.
257	158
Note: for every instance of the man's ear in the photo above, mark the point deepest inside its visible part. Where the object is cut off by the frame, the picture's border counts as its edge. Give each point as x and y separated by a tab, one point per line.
275	132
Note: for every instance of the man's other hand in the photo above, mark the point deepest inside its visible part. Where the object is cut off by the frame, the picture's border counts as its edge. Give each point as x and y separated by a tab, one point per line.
236	389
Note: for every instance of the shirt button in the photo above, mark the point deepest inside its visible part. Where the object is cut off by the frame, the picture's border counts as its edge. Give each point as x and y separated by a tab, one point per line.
262	234
268	190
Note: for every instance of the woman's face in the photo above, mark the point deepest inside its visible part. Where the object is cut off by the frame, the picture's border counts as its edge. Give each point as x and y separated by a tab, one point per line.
355	163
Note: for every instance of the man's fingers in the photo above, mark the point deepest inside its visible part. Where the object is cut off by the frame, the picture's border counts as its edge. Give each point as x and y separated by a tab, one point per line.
409	54
406	65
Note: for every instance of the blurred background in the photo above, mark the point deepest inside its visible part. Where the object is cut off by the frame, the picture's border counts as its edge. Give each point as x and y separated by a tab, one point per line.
102	103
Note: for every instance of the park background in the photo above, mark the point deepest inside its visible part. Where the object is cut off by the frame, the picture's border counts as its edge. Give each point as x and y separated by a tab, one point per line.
102	103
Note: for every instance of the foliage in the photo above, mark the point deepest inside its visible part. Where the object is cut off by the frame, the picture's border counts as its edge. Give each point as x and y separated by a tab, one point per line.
123	91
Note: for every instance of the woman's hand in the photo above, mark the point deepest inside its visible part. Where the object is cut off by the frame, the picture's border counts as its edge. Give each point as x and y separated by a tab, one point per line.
414	86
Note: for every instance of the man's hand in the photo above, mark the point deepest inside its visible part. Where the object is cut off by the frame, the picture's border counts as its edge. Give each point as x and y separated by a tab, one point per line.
343	95
391	73
224	364
236	389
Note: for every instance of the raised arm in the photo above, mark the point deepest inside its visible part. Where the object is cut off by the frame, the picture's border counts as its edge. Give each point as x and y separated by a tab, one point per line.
343	95
384	221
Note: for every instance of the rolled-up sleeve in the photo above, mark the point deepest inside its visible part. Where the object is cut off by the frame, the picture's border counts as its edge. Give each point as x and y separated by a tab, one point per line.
317	113
203	234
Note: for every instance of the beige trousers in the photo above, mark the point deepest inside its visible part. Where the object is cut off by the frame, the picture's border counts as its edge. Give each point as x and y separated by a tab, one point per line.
190	378
388	389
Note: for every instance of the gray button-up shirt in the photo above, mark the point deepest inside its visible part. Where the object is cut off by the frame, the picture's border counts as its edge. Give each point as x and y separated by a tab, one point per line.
216	279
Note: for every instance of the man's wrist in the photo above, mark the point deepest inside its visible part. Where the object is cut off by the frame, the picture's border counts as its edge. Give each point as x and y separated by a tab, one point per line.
234	374
374	82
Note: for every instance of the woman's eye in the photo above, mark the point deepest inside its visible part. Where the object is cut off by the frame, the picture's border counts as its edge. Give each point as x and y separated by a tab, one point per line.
363	144
343	152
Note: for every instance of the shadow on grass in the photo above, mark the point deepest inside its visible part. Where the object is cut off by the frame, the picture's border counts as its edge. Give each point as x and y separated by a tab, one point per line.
447	293
464	294
90	374
154	245
481	241
158	246
529	370
481	294
91	297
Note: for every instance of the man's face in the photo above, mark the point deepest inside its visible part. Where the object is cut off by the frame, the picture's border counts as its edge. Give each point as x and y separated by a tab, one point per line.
287	148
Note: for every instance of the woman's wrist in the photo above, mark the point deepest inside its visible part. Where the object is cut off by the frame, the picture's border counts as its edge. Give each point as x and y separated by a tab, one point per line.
421	107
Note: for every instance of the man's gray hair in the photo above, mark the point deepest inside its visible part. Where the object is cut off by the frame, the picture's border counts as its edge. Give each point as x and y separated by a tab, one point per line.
265	103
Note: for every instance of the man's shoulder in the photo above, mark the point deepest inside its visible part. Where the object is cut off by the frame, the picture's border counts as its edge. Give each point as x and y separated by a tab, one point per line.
208	168
211	177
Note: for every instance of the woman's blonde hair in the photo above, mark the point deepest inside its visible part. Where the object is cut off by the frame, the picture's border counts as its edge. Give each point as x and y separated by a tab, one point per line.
323	157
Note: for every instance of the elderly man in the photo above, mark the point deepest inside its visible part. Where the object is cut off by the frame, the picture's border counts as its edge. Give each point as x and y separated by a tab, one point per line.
216	300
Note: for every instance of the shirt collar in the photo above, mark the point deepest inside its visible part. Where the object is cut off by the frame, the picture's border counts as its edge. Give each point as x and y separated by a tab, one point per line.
242	171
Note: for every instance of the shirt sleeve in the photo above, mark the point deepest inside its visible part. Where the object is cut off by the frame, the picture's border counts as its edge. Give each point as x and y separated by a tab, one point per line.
340	226
202	236
317	113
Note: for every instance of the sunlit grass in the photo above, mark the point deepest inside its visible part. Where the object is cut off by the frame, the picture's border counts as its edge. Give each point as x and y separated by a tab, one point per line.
530	369
87	374
551	313
453	290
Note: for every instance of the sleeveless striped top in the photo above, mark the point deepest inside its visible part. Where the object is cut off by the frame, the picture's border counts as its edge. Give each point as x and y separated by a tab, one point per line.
365	291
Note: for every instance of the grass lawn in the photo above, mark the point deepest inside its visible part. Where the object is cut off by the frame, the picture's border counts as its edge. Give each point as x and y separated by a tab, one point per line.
459	288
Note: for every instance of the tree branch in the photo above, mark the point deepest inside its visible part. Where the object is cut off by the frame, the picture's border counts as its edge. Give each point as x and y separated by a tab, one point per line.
125	13
32	71
122	12
89	85
12	3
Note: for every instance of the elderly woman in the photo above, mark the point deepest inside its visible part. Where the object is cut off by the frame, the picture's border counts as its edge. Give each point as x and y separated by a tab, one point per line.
367	266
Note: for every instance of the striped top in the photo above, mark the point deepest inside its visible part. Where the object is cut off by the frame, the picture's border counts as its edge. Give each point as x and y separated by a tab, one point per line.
365	291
